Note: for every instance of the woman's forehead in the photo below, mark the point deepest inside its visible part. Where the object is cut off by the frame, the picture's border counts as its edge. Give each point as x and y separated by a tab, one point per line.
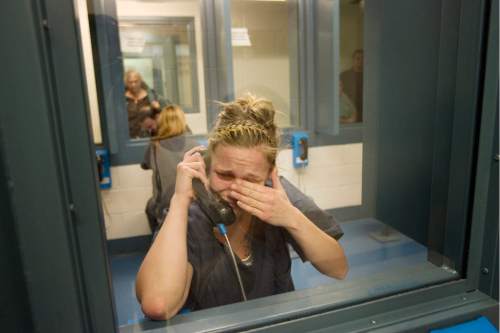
233	158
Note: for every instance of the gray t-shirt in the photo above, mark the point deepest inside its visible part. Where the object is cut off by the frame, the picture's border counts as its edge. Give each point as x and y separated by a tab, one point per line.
214	280
163	159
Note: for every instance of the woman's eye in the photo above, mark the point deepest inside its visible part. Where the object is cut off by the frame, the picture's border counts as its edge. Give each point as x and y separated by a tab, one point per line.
225	176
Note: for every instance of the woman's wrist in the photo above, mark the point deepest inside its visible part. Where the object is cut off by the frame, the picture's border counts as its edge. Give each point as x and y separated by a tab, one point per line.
293	221
180	200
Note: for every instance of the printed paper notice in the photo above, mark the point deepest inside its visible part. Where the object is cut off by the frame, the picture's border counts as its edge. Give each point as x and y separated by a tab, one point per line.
240	37
132	42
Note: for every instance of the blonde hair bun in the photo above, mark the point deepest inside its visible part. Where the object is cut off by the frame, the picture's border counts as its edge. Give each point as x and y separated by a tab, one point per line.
249	108
248	122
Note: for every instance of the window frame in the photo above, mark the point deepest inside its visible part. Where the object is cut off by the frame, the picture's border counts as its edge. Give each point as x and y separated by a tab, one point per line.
77	216
190	24
108	64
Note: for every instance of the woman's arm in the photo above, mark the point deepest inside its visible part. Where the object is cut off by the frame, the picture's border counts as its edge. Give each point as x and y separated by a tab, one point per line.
271	205
165	273
322	250
164	277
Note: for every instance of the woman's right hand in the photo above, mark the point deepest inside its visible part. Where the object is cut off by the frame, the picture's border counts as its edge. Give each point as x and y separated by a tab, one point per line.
192	166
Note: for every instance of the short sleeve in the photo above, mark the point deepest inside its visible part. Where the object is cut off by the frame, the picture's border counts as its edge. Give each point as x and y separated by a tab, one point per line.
319	217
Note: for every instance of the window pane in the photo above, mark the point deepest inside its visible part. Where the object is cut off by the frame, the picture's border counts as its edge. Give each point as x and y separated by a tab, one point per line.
161	54
160	45
395	194
264	44
351	61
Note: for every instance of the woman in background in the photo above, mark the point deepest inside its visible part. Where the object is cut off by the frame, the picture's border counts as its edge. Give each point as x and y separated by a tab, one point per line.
143	105
165	151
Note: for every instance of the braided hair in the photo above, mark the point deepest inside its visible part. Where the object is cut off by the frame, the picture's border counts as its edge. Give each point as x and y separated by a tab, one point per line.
247	122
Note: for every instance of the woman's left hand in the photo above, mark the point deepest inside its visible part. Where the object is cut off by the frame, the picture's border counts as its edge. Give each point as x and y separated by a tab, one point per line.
269	204
155	104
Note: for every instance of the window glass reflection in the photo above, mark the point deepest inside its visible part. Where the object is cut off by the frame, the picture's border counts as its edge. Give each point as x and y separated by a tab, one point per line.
143	106
159	58
351	61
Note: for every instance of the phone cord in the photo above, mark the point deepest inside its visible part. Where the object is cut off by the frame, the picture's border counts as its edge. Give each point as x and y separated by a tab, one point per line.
222	230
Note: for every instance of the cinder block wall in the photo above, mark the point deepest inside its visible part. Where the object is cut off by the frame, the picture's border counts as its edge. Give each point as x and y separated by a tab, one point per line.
332	179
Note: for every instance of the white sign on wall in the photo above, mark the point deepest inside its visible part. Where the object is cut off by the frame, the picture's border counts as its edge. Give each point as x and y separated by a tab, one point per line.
132	42
240	37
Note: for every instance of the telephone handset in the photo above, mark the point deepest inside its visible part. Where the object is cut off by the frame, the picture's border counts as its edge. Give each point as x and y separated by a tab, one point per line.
217	210
220	215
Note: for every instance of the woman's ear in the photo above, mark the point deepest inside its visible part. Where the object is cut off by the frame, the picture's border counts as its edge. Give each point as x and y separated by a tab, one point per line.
269	180
276	180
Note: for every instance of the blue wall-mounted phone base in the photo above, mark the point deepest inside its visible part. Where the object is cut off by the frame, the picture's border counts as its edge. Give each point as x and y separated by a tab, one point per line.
103	168
300	146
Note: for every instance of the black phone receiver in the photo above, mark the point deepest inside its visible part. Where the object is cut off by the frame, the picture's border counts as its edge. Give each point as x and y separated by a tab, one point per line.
304	145
217	210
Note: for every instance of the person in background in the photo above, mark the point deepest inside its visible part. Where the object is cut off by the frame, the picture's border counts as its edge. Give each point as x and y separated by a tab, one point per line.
142	104
352	81
188	265
348	113
163	154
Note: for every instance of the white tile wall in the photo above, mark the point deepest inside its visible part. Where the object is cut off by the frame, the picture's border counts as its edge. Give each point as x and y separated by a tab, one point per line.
124	203
332	179
333	176
127	225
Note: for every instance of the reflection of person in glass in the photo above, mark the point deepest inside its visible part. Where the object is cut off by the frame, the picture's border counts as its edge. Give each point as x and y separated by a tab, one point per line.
142	105
348	113
188	265
352	80
166	150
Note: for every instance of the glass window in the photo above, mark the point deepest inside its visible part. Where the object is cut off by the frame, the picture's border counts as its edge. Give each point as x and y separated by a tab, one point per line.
162	58
351	61
265	51
161	54
393	197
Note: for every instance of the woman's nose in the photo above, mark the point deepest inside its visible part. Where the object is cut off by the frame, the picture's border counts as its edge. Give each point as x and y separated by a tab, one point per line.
229	186
232	184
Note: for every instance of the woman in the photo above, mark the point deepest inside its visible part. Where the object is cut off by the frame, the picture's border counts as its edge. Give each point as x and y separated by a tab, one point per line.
166	150
142	105
188	264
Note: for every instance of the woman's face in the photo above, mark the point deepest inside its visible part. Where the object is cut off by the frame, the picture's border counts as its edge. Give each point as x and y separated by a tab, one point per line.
133	83
231	163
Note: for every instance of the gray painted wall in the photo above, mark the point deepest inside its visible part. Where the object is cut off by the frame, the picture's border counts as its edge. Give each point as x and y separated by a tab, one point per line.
402	49
15	313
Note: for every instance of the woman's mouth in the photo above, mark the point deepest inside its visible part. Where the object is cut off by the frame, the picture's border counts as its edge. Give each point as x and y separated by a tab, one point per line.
232	203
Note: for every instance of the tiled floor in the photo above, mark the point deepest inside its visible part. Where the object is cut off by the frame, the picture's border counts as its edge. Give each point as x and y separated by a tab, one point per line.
365	255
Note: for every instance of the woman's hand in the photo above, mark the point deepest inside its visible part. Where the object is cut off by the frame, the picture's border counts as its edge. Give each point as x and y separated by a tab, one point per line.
155	105
270	205
192	166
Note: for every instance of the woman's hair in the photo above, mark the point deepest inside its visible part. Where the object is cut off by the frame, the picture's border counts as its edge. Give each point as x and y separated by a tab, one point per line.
129	73
171	122
247	122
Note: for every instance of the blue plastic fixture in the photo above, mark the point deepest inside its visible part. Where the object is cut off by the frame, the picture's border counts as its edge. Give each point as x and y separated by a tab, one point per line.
103	168
300	147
